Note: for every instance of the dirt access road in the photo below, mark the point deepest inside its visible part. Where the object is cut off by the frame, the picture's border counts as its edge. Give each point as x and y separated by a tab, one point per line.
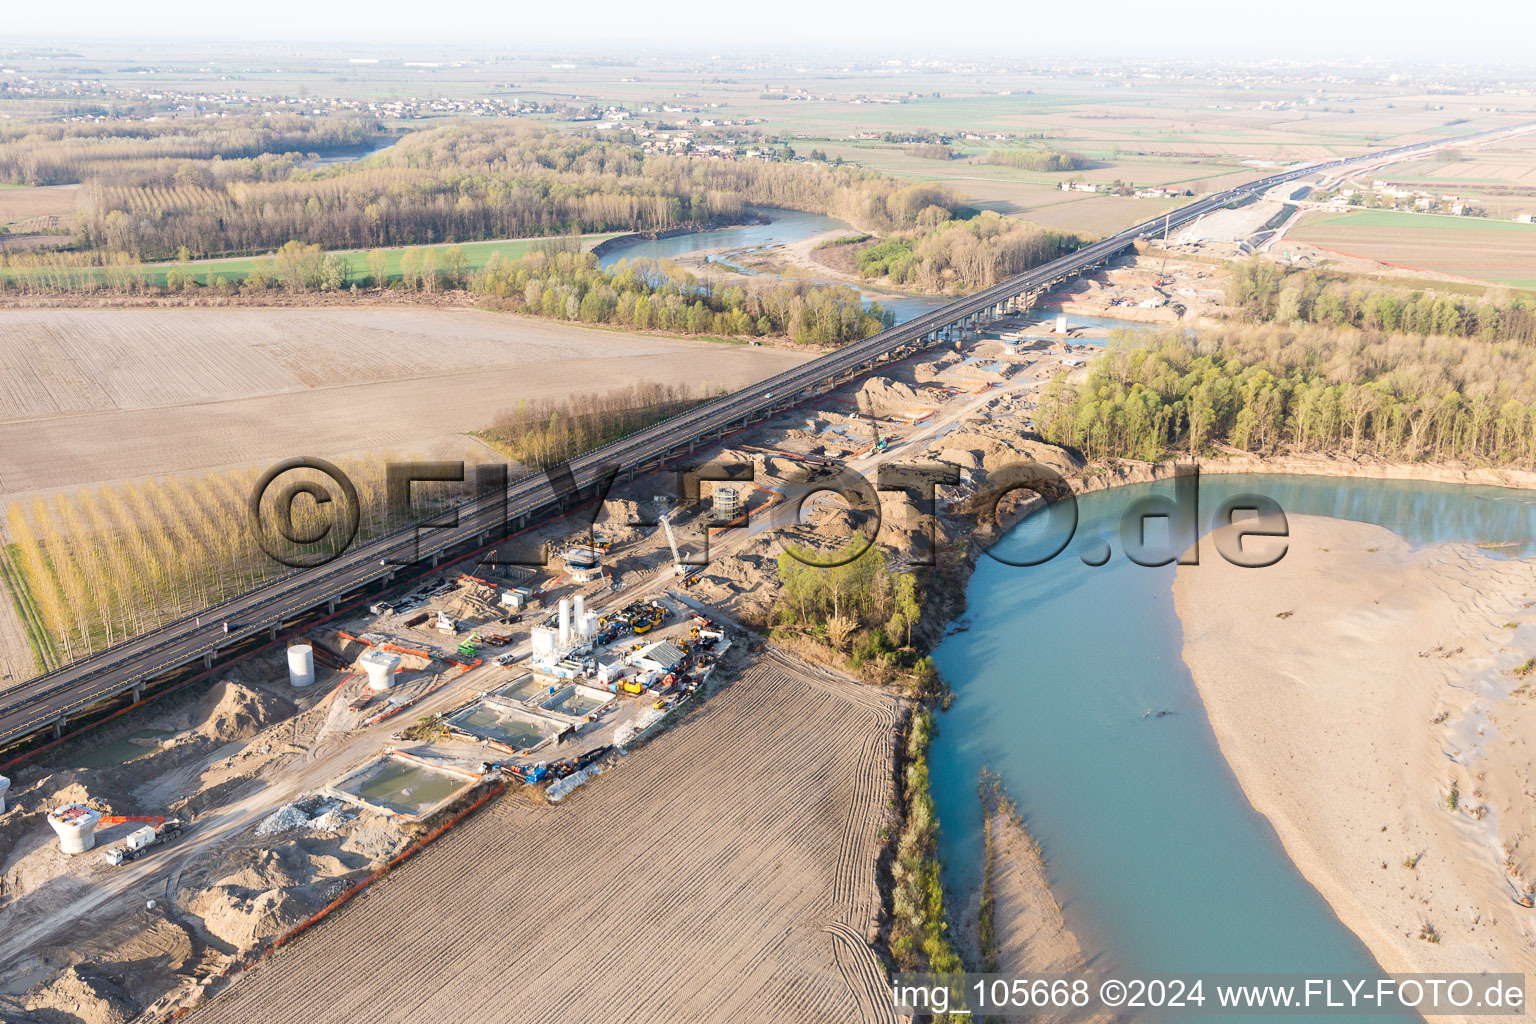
724	872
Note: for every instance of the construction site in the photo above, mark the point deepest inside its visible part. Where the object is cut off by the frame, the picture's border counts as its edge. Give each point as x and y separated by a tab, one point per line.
202	827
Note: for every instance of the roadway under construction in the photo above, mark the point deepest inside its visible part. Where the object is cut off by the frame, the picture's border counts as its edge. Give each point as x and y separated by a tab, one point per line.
176	651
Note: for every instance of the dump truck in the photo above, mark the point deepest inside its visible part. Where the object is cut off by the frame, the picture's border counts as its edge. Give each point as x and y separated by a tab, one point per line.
141	839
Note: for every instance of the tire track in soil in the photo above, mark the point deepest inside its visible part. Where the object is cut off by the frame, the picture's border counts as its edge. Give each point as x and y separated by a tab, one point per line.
698	880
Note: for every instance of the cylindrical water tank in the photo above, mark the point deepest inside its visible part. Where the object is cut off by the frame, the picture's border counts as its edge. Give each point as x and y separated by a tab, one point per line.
565	621
301	665
76	826
381	667
579	610
5	784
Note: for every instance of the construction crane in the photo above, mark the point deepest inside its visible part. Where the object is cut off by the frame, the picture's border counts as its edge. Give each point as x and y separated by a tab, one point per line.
678	568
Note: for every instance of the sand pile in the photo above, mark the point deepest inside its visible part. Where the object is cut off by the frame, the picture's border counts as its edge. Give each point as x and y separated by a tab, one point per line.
232	711
85	994
245	918
882	397
253	901
990	448
931	369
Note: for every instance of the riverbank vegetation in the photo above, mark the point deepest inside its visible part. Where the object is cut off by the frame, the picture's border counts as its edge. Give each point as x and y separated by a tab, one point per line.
645	294
960	256
1272	389
860	610
154	192
919	926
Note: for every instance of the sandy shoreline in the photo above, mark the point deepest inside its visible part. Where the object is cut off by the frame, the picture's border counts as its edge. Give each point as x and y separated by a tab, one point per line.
1353	692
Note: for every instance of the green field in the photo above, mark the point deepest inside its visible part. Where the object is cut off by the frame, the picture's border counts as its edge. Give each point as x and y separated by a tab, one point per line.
206	272
1496	251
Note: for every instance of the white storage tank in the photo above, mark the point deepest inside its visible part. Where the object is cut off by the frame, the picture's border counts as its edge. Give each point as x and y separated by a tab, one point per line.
1061	324
5	784
301	665
586	626
381	667
76	826
565	622
543	641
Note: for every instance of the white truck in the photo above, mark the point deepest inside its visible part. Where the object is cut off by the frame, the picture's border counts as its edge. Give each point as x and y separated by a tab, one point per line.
140	839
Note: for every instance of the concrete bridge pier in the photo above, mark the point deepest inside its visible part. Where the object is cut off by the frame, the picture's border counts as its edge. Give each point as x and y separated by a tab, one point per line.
208	660
58	728
138	692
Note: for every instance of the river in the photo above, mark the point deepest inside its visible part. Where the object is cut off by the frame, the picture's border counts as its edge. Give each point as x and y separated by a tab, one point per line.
787	226
1156	856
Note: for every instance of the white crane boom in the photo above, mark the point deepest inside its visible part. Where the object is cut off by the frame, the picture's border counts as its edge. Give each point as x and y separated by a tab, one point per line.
678	568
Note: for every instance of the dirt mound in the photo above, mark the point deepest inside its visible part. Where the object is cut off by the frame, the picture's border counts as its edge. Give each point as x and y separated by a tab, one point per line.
993	448
233	711
930	369
244	918
83	993
881	397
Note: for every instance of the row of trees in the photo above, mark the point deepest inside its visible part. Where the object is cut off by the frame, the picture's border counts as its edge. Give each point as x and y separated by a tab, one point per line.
962	255
546	432
1263	291
458	183
1268	389
648	295
99	566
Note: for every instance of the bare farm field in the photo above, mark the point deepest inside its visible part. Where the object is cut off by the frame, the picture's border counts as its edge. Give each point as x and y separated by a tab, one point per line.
1500	252
725	872
88	396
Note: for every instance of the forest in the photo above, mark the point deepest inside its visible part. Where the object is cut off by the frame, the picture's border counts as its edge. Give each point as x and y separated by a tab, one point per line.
154	193
1039	159
1262	290
957	256
145	152
1268	388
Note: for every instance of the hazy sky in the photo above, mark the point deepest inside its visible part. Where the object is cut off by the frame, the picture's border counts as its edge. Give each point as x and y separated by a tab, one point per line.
1408	28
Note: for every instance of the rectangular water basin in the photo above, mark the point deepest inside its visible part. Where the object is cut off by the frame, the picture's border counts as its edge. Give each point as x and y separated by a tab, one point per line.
506	725
578	701
404	786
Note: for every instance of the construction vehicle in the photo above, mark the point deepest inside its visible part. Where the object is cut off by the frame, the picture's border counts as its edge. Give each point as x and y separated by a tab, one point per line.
157	831
445	623
528	773
632	684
